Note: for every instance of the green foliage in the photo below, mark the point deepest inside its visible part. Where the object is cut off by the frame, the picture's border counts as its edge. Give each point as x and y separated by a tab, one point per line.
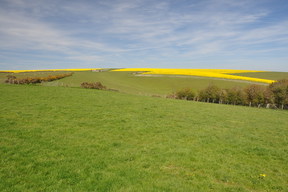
210	94
255	94
185	94
280	92
223	95
236	96
73	139
252	95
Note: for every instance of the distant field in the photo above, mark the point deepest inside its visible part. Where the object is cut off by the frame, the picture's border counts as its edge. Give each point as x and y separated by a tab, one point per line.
266	75
214	73
73	139
127	82
46	70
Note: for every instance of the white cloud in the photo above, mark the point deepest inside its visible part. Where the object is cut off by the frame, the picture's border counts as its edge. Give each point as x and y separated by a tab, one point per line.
22	32
100	30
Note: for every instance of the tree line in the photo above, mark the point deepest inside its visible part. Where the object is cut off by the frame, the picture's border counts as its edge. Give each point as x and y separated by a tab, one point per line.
273	96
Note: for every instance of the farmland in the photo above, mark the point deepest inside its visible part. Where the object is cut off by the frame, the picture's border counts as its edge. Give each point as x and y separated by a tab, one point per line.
128	82
56	136
47	70
266	75
149	84
217	73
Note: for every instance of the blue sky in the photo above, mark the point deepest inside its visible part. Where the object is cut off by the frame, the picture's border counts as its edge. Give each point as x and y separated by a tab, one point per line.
224	34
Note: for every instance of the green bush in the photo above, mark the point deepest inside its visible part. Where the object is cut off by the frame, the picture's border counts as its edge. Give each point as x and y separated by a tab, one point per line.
255	94
210	94
279	91
185	94
236	96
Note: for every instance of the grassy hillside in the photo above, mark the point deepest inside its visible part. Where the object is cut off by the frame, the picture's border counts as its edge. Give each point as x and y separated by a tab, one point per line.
72	139
127	82
266	75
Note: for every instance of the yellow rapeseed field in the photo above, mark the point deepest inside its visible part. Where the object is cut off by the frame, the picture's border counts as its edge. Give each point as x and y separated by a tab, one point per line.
47	70
215	73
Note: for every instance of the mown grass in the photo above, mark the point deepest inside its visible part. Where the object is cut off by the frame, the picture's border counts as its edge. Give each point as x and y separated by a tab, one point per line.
72	139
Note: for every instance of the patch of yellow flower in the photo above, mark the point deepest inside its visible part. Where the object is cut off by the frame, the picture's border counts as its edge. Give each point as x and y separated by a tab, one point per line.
47	70
262	175
215	73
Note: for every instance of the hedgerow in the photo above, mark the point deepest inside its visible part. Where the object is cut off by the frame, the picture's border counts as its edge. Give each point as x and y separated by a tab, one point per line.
273	96
33	80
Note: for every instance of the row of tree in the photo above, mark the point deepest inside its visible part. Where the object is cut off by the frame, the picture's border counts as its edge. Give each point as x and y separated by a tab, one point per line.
33	80
273	96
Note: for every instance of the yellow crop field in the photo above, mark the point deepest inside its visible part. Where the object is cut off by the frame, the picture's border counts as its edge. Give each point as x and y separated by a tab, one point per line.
215	73
46	70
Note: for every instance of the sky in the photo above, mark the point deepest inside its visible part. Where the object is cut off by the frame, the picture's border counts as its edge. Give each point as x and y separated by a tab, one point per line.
192	34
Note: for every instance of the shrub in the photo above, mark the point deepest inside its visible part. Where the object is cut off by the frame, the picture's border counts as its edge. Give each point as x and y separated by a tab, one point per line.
255	94
33	80
171	96
185	94
236	96
10	79
96	85
210	94
279	91
223	95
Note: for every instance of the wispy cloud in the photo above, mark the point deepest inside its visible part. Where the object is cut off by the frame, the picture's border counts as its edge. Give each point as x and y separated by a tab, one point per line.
123	31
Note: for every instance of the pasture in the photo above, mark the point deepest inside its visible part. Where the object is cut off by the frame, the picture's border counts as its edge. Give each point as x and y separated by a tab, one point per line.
73	139
128	82
139	84
266	75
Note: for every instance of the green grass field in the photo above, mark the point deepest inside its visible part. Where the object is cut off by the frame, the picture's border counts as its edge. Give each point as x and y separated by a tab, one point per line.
73	139
266	75
160	85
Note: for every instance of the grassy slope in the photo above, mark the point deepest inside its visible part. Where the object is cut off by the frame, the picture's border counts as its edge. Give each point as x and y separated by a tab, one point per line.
72	139
145	85
266	75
